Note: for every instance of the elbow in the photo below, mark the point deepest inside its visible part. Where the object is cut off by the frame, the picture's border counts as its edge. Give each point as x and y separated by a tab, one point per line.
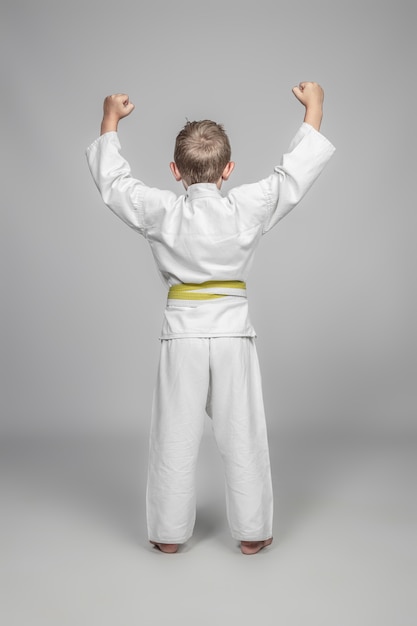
290	189
112	187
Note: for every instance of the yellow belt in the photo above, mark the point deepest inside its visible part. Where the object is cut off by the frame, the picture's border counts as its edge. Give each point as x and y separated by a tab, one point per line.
207	291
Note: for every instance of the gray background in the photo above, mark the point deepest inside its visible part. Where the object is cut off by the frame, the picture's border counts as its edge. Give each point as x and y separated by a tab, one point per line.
332	298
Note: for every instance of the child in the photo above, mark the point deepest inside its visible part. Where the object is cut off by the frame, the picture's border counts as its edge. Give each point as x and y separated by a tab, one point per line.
203	245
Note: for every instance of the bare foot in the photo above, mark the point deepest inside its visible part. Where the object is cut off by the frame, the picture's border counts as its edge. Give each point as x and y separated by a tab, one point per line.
168	548
252	547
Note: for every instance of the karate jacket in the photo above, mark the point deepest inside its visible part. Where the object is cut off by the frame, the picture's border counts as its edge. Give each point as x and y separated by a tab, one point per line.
203	235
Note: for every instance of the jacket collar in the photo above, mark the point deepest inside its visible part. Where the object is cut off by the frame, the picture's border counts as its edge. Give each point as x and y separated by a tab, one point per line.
200	190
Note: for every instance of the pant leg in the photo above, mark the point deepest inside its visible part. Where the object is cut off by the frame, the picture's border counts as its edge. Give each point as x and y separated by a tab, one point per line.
176	429
237	410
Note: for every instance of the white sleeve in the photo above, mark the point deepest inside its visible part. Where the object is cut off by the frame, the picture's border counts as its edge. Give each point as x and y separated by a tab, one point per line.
122	193
306	158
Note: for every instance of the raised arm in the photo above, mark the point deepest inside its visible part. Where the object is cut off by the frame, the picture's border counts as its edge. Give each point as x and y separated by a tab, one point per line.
306	158
111	172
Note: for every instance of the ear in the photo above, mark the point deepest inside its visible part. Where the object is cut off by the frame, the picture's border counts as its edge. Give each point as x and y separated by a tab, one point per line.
175	171
228	170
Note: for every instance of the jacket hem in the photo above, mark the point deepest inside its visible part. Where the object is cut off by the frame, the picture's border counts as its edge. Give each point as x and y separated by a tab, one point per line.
206	335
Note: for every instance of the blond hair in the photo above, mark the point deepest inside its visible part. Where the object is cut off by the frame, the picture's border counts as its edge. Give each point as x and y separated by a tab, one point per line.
202	151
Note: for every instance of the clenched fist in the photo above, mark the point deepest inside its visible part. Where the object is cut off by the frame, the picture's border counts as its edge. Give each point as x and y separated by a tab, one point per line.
115	107
311	95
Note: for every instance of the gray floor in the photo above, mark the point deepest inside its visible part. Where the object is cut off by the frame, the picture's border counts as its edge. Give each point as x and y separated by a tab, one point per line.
75	550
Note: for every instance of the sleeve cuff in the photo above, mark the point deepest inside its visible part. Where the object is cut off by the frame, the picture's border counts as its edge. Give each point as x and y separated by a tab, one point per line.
109	137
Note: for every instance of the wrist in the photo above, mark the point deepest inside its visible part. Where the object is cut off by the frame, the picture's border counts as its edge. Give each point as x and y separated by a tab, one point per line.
109	123
314	116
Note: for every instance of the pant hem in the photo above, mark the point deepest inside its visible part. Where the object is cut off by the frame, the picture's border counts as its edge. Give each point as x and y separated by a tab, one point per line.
252	538
178	541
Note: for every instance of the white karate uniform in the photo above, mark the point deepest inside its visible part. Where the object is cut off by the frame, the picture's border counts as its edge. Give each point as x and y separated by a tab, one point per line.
208	362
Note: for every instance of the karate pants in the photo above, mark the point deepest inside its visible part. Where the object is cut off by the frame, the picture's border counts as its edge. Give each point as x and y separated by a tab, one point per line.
218	377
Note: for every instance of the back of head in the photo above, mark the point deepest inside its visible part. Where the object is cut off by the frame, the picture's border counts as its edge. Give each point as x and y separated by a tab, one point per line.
202	151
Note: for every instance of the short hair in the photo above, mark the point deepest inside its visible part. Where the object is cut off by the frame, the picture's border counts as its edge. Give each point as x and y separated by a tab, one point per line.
202	151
